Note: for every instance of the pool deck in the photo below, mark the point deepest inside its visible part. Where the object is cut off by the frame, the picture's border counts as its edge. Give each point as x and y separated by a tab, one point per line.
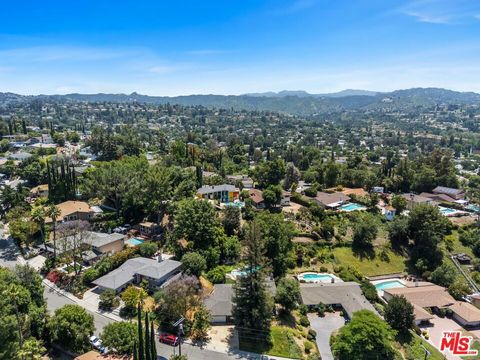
311	281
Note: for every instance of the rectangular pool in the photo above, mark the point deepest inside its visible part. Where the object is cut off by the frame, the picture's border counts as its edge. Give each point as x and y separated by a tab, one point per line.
351	207
135	241
390	284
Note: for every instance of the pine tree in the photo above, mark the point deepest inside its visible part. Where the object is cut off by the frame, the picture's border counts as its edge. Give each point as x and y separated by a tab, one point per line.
147	338
141	350
153	347
252	305
135	354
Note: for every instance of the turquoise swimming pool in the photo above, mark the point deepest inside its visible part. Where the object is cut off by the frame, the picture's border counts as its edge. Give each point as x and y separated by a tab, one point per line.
351	207
390	284
446	211
318	277
473	207
238	204
135	241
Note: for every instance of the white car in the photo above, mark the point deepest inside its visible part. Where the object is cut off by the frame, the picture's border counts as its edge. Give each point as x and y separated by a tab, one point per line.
96	343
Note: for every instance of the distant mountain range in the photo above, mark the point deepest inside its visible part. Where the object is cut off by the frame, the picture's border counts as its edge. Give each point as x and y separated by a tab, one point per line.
294	102
301	93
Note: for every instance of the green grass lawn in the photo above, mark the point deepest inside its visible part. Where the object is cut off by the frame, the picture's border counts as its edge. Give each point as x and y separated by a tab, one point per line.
283	343
370	266
414	350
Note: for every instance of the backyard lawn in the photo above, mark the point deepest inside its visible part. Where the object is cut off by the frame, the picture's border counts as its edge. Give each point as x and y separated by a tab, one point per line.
414	349
371	266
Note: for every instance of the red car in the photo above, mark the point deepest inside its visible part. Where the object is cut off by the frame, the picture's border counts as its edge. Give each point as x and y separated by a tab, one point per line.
168	339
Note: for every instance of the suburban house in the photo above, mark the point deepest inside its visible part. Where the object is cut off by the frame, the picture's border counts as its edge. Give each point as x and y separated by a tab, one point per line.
330	200
149	228
95	244
225	193
105	243
219	302
134	271
358	192
244	180
457	194
435	297
439	197
345	295
257	198
389	212
414	200
39	191
73	210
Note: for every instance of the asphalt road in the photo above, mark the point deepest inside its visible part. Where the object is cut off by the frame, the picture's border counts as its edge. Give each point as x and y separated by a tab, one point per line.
55	300
8	251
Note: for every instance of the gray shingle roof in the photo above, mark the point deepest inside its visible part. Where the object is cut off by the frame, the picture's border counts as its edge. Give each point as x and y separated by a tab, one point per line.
142	266
220	301
99	239
447	190
348	294
207	189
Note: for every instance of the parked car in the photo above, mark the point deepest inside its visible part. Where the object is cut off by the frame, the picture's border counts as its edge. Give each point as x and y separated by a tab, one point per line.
169	339
97	343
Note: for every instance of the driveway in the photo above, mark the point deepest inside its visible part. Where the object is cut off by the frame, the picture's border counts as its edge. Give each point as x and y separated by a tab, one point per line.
325	327
436	332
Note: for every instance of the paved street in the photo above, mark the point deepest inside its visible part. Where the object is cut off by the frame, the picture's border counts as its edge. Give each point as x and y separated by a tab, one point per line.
8	251
55	300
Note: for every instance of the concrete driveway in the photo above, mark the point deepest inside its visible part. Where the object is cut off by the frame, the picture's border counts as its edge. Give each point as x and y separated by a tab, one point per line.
436	332
325	327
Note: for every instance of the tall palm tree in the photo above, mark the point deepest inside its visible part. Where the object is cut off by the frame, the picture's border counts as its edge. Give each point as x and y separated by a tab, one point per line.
53	211
38	216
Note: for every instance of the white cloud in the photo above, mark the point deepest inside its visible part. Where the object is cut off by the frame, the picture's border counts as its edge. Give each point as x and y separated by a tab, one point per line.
441	11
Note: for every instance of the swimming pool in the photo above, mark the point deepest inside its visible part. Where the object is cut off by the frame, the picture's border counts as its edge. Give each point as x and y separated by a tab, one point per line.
447	211
238	204
318	277
474	208
135	241
351	207
389	284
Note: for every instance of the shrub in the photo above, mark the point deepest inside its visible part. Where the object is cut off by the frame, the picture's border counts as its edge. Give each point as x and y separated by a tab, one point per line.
308	345
303	309
323	269
89	275
217	275
304	321
108	300
148	249
312	334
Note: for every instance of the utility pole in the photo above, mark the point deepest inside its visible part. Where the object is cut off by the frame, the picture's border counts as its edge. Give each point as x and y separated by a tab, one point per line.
179	325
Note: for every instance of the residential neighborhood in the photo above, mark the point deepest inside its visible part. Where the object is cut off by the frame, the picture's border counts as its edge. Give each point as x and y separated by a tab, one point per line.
240	180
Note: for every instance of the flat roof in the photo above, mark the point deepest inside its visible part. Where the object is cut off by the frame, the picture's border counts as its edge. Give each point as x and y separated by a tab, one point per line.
424	296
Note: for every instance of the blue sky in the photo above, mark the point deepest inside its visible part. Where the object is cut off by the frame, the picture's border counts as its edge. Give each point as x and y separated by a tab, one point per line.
166	47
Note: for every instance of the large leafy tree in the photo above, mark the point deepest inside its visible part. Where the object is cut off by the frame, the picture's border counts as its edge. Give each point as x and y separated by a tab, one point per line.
277	235
252	304
399	314
365	337
120	336
71	326
22	313
288	293
427	228
364	231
